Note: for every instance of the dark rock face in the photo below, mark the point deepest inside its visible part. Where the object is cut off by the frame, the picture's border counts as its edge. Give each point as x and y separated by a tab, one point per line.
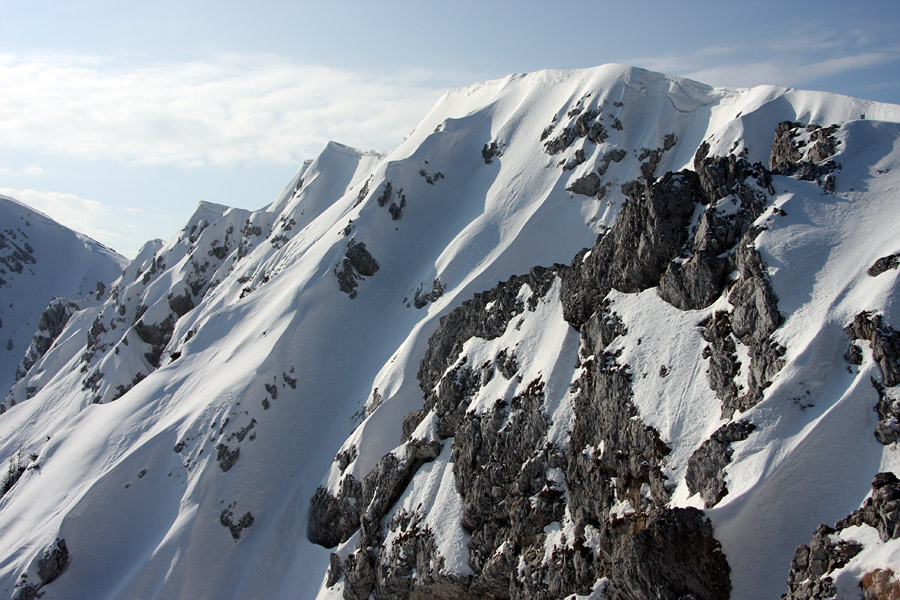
608	482
634	254
489	152
881	510
357	263
705	472
808	577
806	160
589	185
333	519
883	264
157	335
885	343
700	277
53	321
690	564
422	299
50	566
236	527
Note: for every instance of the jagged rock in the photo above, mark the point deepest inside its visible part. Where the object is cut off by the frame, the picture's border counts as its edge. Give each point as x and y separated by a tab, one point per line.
181	305
53	562
880	584
575	160
335	570
236	527
881	510
584	125
648	233
807	578
705	472
888	429
357	263
885	343
589	185
489	152
50	566
697	281
157	335
472	319
500	464
809	575
689	564
226	456
885	263
333	519
411	567
53	321
422	299
804	160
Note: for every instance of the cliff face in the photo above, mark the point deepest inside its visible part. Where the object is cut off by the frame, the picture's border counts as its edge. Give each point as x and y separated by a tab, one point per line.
687	365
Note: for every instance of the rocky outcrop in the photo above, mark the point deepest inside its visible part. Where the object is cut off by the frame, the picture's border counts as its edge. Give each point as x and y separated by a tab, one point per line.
357	263
589	185
690	564
804	152
637	250
53	321
884	341
812	565
701	274
706	467
884	264
50	565
607	483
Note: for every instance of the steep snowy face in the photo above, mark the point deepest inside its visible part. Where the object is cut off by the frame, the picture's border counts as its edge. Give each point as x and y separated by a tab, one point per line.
333	396
41	260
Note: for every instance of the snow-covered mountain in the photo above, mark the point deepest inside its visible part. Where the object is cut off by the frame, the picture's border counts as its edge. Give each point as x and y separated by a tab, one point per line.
42	261
602	333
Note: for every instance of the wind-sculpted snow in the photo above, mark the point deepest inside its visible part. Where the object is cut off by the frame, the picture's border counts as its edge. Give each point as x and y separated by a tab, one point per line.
174	435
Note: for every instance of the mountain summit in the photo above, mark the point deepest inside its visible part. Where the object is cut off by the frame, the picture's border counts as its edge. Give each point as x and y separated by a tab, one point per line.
584	334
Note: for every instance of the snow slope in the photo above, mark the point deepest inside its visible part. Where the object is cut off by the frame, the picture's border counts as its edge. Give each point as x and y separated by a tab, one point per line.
181	427
41	260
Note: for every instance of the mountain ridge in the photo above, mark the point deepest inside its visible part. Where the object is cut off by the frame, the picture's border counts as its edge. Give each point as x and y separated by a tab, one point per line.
208	337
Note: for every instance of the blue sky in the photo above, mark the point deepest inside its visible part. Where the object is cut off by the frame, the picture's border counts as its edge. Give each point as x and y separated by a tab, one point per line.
116	117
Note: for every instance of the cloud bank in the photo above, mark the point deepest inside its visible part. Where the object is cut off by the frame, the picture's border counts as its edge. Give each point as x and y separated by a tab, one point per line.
229	111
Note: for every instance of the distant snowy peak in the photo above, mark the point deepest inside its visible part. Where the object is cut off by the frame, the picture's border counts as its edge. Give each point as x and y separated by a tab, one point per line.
41	260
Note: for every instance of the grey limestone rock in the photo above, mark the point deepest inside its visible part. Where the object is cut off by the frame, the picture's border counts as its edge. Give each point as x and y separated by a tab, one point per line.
157	335
648	233
357	263
810	568
883	264
806	160
885	343
690	564
53	321
51	564
705	472
589	185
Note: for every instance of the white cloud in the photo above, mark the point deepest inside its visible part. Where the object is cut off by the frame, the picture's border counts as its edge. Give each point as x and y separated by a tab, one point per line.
113	226
33	169
234	110
810	54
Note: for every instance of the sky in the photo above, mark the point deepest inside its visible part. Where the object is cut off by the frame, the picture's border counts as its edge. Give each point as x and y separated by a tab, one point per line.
118	116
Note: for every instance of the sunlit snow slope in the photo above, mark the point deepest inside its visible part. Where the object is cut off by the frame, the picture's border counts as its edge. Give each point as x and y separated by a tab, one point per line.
175	434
